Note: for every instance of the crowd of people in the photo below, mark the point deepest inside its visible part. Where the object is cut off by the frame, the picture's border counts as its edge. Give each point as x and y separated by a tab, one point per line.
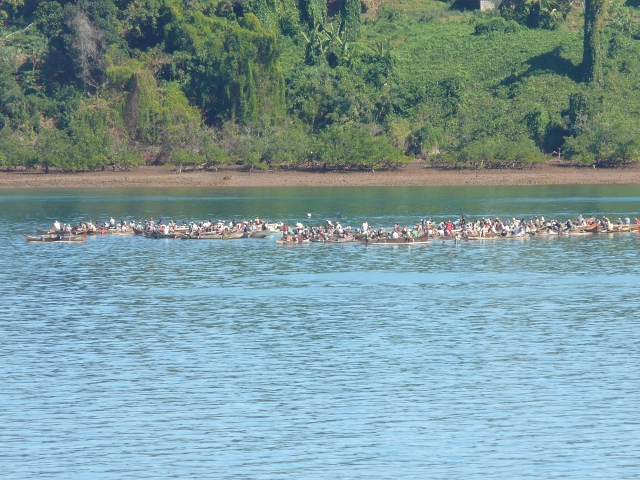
459	228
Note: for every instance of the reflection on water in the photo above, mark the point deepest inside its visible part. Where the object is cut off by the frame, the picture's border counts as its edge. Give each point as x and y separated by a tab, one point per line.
126	357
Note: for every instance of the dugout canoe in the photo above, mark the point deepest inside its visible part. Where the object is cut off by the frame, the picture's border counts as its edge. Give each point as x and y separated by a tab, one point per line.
212	236
408	240
49	238
257	234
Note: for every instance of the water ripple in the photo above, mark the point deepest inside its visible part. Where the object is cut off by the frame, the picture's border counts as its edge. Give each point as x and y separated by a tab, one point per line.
129	358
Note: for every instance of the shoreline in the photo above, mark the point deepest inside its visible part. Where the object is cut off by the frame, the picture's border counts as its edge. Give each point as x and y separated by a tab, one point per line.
414	174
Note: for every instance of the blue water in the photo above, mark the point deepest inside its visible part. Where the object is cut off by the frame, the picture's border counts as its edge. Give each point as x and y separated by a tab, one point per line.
132	358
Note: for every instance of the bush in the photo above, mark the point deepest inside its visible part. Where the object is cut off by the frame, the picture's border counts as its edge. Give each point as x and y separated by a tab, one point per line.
496	24
493	152
605	140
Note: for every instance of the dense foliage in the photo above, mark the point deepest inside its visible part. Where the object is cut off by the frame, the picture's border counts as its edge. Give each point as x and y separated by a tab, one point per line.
344	84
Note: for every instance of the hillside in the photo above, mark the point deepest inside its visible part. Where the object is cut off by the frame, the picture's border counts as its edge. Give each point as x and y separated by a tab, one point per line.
346	84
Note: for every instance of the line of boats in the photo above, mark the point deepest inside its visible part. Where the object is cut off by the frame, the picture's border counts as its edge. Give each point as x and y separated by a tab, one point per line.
422	232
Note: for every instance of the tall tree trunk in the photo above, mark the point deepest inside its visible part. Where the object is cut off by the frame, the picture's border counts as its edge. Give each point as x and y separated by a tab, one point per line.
591	57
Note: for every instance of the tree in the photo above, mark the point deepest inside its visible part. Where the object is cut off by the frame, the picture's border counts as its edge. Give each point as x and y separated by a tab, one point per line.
14	151
591	57
87	43
9	8
12	100
351	21
185	157
179	124
314	12
606	139
355	147
55	149
212	152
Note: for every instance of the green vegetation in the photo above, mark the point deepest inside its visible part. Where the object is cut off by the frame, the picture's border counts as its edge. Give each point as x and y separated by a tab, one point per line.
350	84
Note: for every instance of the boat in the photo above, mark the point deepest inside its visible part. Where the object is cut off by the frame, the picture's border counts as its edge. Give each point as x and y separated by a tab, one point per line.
115	231
444	237
593	228
292	240
44	231
49	238
211	236
257	234
402	240
161	234
331	239
493	236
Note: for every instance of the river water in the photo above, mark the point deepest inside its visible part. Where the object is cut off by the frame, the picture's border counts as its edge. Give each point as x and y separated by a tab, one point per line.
131	358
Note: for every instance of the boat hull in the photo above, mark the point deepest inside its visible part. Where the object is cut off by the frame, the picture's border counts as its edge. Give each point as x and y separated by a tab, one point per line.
51	238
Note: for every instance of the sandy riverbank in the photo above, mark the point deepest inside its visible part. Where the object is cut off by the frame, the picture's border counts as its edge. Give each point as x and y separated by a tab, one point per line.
416	174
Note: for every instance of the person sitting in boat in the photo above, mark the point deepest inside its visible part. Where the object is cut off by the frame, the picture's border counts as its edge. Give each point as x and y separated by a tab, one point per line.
395	234
627	221
449	227
112	222
608	224
56	226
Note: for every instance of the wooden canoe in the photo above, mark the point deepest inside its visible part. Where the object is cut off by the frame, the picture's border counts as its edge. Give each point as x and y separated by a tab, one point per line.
211	236
257	234
420	239
293	241
49	238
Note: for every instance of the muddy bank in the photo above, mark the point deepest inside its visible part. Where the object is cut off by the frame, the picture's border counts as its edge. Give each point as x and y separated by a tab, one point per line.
415	174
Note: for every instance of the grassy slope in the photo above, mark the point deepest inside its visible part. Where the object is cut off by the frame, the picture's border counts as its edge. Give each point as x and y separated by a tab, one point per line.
505	75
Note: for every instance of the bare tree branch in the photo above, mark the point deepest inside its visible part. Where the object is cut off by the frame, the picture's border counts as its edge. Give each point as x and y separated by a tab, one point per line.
89	45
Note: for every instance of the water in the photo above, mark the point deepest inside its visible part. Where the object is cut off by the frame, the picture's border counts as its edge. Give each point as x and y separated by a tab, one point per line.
133	358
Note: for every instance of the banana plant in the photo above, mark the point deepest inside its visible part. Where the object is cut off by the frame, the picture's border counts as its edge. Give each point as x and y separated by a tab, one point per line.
330	41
